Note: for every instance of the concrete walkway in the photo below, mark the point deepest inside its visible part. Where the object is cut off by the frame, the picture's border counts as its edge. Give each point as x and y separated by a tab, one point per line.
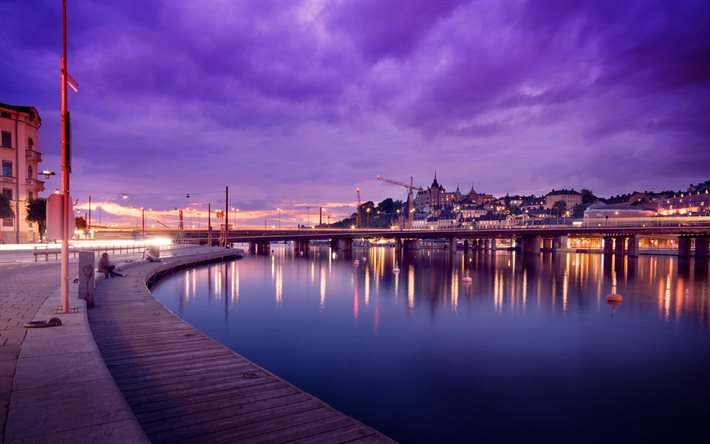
61	389
21	295
53	383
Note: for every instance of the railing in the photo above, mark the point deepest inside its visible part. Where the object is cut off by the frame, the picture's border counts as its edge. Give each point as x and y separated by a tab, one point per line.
113	249
34	184
7	179
33	155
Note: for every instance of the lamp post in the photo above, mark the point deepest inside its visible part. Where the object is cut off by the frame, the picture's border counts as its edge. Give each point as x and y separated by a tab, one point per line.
66	167
234	224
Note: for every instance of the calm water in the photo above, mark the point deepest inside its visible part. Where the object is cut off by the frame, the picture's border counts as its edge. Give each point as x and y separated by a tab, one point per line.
529	351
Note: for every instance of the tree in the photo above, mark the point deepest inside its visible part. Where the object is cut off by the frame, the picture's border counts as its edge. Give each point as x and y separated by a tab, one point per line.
5	208
386	206
37	212
560	206
588	196
80	223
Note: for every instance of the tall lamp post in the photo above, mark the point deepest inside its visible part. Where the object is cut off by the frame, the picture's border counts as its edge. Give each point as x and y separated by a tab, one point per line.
66	165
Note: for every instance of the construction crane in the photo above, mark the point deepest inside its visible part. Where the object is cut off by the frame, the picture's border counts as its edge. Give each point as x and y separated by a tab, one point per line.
358	221
410	197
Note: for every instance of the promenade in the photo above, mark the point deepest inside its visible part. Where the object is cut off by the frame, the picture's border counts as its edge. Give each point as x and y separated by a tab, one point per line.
152	376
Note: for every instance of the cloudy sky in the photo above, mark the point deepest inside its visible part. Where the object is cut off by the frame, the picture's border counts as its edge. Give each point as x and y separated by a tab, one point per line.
295	103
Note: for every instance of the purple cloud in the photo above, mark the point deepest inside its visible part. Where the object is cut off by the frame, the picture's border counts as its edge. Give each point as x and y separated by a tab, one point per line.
302	101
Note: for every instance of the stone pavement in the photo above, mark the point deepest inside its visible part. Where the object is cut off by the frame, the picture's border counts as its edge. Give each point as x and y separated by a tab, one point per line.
25	287
21	295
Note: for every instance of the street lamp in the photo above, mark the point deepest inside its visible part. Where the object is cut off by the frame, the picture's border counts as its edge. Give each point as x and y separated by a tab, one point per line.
234	224
47	173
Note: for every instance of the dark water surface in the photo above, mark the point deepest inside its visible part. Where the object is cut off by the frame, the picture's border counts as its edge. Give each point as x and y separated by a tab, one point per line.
529	351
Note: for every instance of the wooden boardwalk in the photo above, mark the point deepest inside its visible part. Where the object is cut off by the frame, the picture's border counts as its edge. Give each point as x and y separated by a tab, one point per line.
183	386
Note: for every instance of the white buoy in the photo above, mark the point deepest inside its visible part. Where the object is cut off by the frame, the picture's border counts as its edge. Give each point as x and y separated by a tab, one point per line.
395	270
364	259
467	280
614	298
356	262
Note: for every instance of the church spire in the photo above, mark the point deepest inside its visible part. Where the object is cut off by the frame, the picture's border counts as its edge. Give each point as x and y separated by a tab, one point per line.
435	183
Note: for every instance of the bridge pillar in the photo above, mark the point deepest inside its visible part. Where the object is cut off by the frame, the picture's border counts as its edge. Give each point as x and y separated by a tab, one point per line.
398	244
412	244
531	244
493	244
301	246
559	243
342	244
252	247
452	245
262	247
465	245
619	245
608	245
701	247
536	242
633	247
683	246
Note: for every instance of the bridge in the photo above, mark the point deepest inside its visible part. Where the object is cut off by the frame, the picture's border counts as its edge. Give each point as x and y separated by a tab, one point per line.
691	239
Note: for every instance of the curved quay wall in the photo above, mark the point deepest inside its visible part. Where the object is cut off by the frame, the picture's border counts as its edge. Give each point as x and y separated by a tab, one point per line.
183	385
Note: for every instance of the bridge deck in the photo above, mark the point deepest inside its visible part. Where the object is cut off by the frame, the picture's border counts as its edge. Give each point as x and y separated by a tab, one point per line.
183	386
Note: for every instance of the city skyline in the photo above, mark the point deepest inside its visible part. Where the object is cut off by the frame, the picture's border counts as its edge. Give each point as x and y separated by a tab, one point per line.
294	104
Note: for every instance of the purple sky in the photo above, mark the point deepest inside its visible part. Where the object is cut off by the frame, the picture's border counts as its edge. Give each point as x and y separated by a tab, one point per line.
296	103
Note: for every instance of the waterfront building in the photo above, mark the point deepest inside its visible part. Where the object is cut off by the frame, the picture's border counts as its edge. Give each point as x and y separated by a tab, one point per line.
419	221
570	197
20	158
686	204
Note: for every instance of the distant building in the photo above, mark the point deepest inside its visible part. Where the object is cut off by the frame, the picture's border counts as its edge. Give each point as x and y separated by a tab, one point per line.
569	197
686	204
532	203
434	197
20	158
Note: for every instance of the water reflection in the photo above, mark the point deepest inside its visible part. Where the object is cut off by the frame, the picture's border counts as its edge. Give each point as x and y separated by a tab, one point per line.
507	280
427	340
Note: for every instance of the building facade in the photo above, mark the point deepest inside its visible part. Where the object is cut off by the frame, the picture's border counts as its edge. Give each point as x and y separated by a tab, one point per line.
570	197
686	204
20	158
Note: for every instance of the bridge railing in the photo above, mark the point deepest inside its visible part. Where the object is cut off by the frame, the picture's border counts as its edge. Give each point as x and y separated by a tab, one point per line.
114	249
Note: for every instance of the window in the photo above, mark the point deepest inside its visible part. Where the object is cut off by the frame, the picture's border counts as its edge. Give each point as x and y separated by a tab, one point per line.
30	172
7	139
30	144
7	222
7	192
5	115
31	195
7	168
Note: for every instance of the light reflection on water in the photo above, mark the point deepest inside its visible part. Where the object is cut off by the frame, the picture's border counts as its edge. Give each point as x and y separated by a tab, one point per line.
530	346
